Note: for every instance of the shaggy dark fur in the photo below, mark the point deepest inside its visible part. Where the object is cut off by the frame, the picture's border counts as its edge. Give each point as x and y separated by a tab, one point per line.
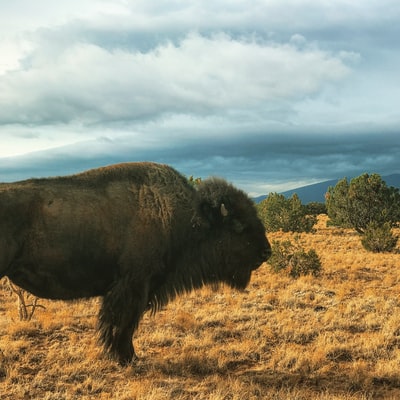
137	234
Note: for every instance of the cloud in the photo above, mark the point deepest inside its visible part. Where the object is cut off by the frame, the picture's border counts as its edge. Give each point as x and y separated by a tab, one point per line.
256	162
198	75
267	94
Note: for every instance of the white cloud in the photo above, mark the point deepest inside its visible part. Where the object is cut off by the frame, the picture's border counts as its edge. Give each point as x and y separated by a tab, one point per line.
12	52
18	139
85	82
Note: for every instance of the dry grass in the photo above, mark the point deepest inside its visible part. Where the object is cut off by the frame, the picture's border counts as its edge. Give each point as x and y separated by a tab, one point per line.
332	337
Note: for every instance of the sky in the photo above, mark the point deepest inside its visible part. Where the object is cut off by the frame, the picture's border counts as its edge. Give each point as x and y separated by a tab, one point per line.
269	94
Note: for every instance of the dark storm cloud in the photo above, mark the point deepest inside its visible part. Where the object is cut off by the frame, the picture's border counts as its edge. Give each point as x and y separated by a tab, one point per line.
254	158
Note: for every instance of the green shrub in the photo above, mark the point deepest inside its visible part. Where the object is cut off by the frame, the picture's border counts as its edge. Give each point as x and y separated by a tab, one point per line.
289	215
379	238
292	258
365	199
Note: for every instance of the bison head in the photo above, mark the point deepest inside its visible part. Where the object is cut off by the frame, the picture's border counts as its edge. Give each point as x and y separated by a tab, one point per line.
238	235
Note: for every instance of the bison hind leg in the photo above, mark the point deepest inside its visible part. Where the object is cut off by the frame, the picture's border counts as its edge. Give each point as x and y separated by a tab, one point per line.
119	317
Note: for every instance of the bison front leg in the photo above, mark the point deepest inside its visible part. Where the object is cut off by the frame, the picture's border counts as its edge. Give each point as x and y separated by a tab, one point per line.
120	313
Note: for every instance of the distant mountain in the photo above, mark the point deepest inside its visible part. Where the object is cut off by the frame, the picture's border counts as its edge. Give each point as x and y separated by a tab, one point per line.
316	192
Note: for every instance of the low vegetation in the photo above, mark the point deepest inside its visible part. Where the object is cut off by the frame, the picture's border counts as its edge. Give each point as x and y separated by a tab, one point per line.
291	257
379	238
331	336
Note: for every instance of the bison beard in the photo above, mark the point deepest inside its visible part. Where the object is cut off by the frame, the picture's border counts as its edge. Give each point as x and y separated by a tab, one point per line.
137	234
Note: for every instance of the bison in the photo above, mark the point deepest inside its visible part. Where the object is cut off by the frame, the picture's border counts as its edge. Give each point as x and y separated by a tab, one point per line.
137	234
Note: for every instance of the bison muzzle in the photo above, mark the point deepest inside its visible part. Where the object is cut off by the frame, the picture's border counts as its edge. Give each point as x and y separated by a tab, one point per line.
137	234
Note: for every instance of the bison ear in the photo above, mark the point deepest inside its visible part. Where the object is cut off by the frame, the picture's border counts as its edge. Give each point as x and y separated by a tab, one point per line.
219	215
213	213
237	226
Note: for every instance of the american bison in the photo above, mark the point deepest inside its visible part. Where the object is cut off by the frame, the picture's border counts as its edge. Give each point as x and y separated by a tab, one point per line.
137	234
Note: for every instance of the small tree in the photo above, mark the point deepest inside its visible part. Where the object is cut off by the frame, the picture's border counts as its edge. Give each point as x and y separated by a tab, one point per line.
288	215
365	200
379	238
337	204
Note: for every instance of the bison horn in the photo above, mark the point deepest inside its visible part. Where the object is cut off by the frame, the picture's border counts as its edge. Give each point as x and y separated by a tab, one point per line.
224	211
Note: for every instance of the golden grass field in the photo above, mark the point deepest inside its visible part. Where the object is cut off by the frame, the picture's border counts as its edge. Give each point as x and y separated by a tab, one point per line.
332	337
